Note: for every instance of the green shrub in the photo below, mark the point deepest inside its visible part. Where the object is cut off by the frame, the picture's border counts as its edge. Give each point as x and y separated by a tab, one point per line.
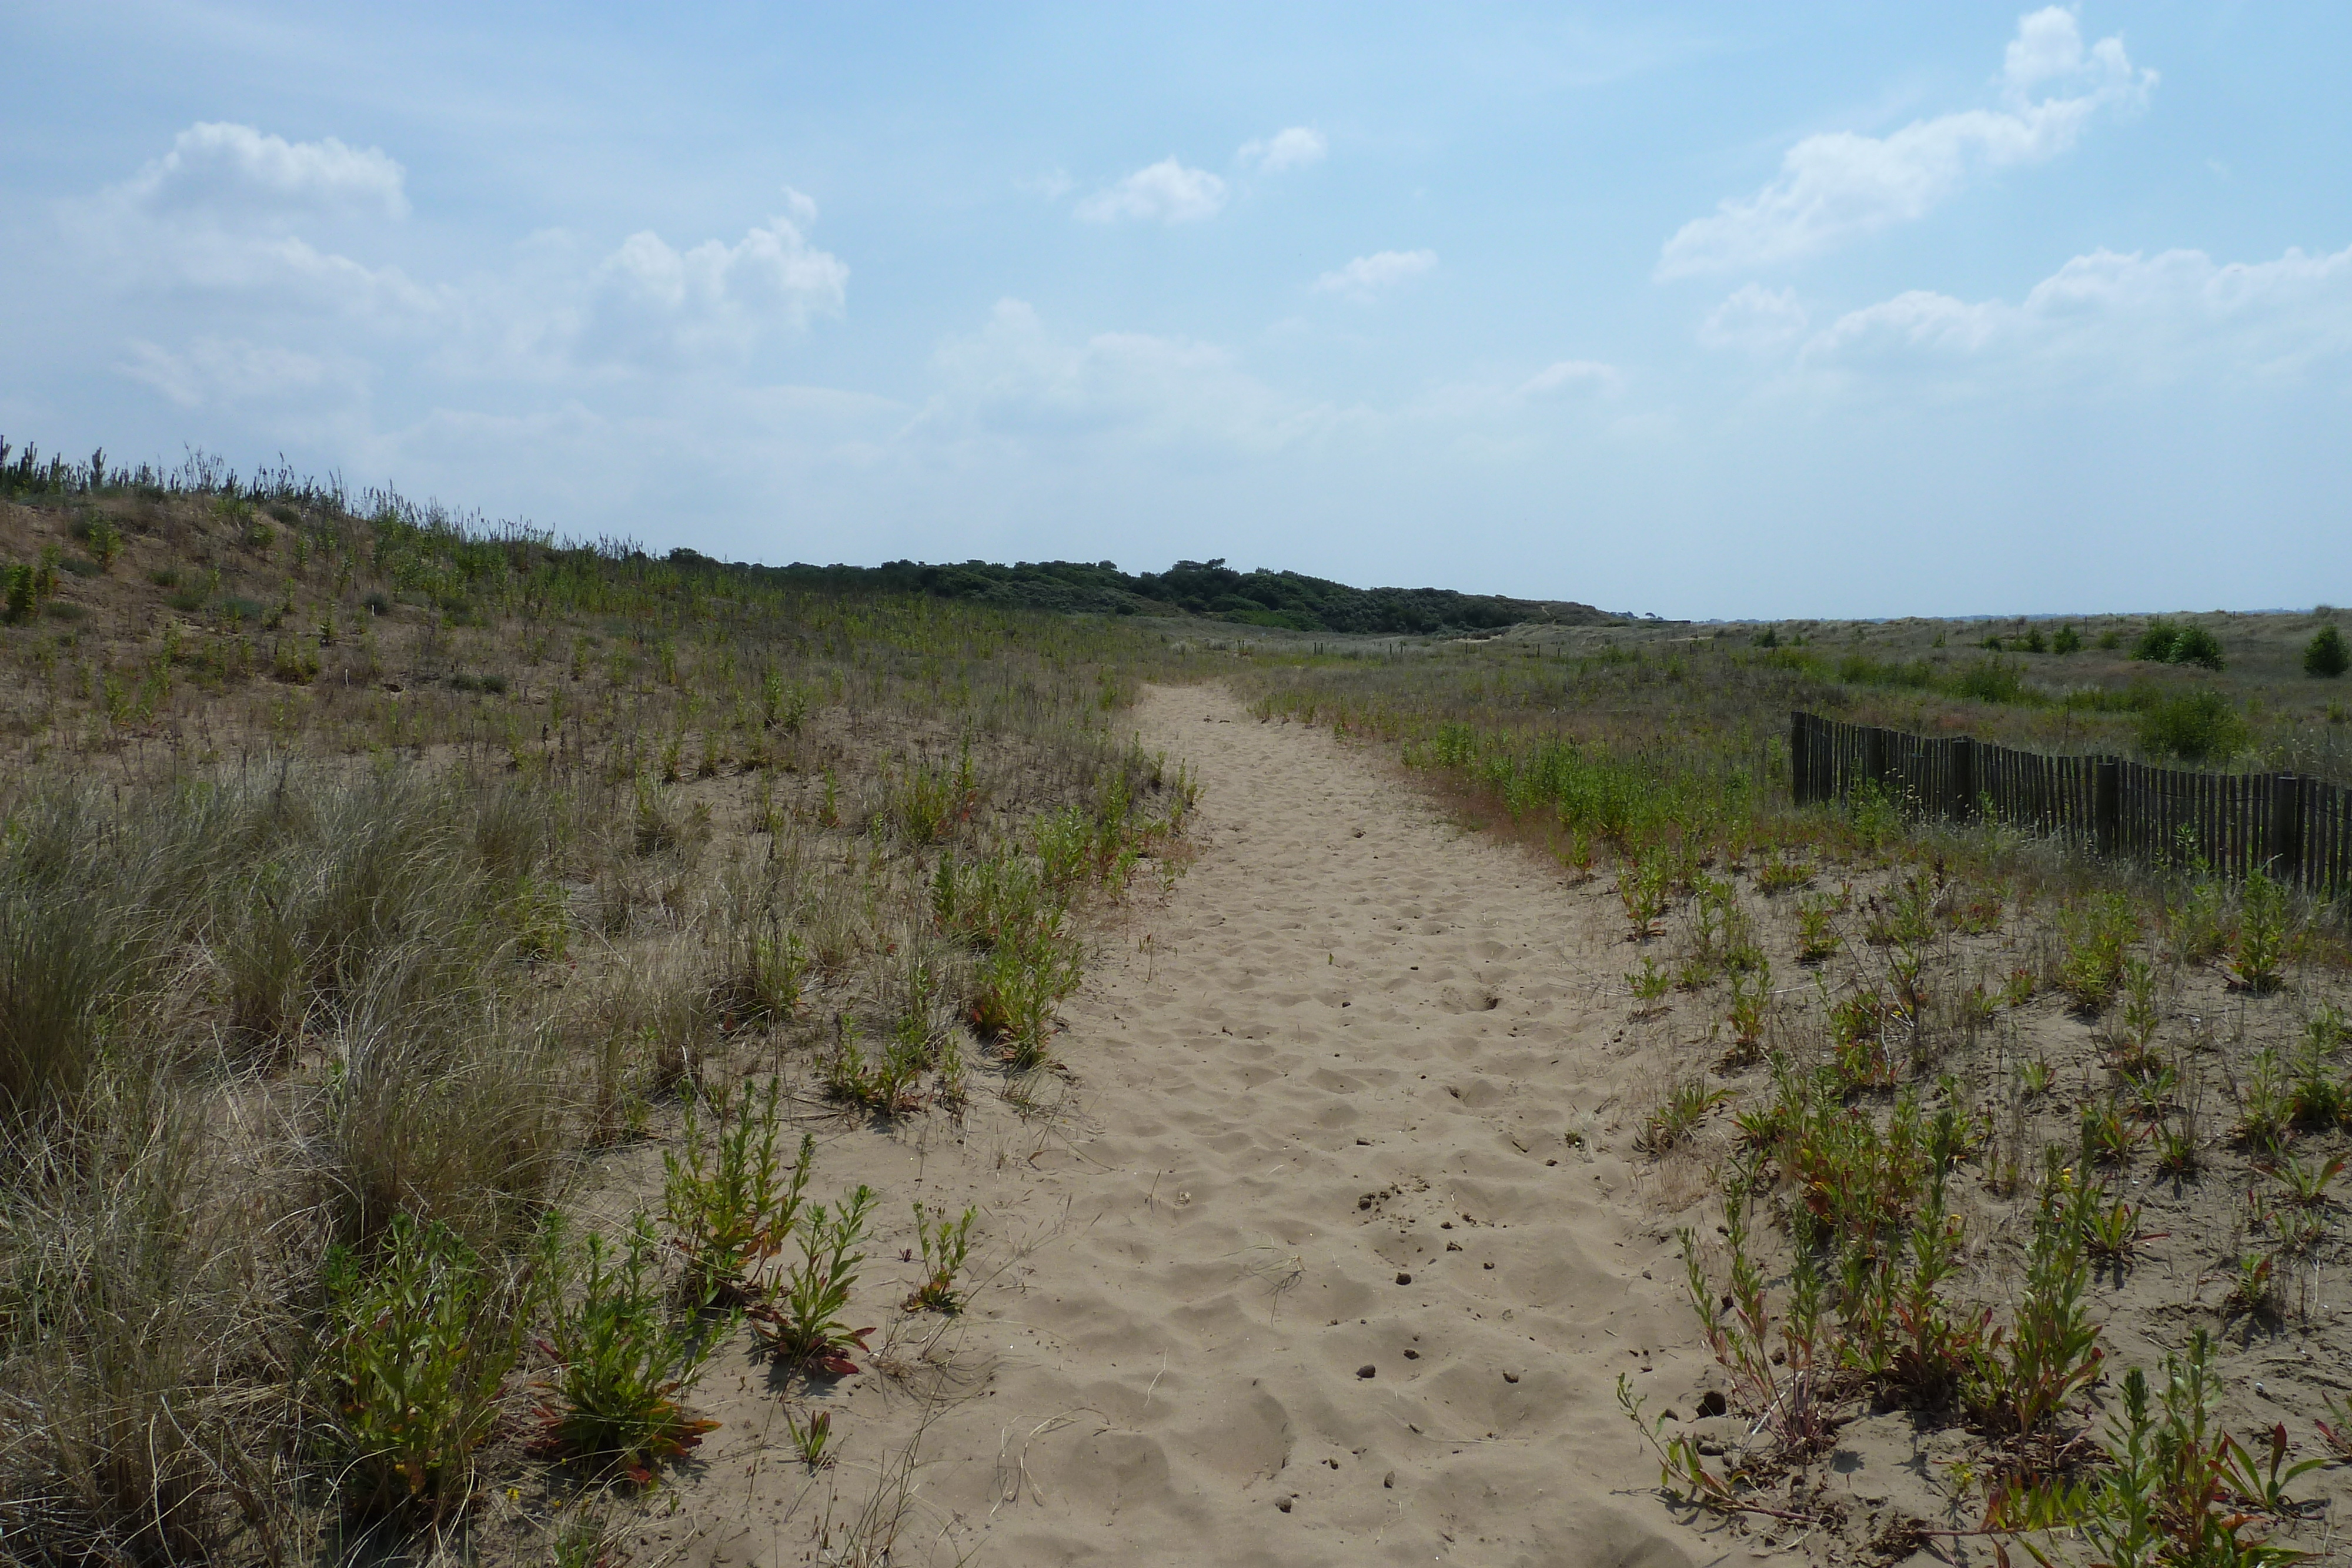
2260	946
2093	939
1993	681
17	603
418	1349
2165	643
622	1365
2196	727
728	1200
2195	645
2067	641
2324	657
2157	643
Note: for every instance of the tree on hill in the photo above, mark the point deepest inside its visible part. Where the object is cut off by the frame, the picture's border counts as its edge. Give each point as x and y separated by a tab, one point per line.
2324	655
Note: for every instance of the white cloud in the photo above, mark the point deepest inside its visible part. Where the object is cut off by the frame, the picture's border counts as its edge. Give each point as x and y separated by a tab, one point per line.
227	370
236	169
1166	191
1367	275
1015	380
1754	317
2114	317
1294	148
1839	185
649	302
1590	376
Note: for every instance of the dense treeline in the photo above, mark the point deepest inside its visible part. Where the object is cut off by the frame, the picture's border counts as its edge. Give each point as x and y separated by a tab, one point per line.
1260	598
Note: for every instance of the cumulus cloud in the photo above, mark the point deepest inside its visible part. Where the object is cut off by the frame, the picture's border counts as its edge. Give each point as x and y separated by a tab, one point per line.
652	303
1294	148
2119	317
1756	319
236	170
1837	186
1166	191
1364	277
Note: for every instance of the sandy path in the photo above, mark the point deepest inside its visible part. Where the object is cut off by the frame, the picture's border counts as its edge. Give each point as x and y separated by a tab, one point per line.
1344	1052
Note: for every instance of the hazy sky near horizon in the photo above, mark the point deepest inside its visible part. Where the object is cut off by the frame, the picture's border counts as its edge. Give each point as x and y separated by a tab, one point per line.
1702	310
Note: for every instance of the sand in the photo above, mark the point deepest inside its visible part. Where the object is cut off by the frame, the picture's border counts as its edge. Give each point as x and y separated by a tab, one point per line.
1299	1265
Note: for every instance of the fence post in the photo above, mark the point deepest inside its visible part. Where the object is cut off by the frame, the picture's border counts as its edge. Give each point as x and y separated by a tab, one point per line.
2107	805
2286	828
1964	778
1874	754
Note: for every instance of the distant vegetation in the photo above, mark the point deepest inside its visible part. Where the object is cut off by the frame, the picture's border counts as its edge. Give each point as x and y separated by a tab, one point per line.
1259	598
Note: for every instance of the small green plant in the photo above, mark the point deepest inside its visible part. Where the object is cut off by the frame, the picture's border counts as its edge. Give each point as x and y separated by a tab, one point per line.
2264	1110
1649	984
922	803
2326	657
2306	1184
801	1324
1876	813
1678	1115
812	1443
105	542
945	1243
2176	1152
2318	1099
2252	1291
2093	937
621	1366
1751	1001
418	1348
2109	1138
729	1200
2112	1233
2260	946
22	595
2050	1350
2067	639
1643	887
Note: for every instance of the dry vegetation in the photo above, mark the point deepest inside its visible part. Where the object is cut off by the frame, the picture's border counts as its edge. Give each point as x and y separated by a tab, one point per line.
2009	1180
370	883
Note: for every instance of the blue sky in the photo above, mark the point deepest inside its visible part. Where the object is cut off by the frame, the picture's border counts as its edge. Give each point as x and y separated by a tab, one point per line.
1729	311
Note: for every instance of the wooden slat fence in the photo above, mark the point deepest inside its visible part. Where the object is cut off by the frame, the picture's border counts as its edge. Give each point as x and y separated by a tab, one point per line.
2296	829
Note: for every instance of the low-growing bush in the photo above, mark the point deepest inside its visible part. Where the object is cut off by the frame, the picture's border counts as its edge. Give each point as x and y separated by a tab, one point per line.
419	1346
2195	726
623	1367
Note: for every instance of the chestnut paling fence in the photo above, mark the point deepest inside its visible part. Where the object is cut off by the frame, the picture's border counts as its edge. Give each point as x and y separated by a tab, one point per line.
2294	829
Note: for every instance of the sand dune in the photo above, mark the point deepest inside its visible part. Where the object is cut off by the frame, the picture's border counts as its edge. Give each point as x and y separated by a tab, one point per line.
1304	1269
